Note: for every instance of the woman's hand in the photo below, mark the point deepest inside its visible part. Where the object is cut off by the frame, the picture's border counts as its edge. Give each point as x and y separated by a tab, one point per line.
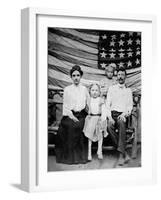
75	119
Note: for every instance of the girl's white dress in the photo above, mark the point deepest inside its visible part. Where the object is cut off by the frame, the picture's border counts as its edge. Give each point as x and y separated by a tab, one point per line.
95	123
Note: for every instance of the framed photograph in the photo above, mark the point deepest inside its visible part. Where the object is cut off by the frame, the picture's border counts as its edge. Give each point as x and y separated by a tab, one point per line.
86	102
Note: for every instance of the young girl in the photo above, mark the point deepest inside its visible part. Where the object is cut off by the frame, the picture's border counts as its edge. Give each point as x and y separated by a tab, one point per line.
95	123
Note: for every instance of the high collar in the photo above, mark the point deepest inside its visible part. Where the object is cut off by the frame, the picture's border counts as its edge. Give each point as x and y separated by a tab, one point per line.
121	86
77	86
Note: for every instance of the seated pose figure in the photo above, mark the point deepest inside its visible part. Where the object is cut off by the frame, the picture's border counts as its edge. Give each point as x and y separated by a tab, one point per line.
119	105
95	127
71	144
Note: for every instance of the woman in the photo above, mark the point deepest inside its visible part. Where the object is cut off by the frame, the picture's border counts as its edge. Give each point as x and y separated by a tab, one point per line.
71	144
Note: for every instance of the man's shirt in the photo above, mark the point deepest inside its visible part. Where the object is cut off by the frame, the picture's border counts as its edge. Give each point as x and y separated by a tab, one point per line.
119	98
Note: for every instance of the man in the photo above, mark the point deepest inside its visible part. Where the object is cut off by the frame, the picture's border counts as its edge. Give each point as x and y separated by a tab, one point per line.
119	105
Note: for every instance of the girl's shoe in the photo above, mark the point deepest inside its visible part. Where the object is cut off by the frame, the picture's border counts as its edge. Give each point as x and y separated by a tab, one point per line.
100	156
89	157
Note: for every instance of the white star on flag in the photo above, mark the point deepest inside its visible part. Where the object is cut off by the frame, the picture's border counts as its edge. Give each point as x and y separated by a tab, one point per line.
129	41
113	37
104	36
112	55
121	55
138	52
121	50
112	43
137	61
138	41
103	54
112	50
121	64
139	33
103	65
130	33
122	35
129	49
121	43
129	54
129	63
103	49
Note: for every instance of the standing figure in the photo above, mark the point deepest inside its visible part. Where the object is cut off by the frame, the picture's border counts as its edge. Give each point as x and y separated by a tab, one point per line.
109	80
71	144
119	105
95	127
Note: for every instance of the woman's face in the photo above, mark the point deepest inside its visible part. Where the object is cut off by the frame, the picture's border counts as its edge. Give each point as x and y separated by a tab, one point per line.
76	77
95	92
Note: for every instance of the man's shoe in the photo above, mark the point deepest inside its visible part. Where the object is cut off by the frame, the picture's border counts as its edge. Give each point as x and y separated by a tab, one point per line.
127	158
121	161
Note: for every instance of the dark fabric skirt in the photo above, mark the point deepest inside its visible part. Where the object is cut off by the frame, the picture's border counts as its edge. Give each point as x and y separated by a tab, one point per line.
71	144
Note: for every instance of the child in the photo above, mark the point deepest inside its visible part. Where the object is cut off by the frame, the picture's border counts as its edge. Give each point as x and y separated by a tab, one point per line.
109	80
95	123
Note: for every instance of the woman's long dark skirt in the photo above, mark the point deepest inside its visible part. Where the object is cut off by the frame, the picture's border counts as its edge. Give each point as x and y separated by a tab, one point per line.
71	144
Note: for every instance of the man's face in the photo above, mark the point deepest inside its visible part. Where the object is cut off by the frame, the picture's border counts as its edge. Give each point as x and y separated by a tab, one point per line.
121	77
76	77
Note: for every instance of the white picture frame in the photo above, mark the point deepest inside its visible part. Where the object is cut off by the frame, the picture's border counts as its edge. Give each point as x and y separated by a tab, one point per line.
33	166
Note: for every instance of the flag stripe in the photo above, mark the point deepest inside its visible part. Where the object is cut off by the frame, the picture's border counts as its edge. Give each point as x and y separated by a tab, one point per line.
73	59
72	43
76	35
72	51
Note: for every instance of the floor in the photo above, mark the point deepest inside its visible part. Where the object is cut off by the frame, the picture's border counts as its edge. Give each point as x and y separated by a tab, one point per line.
110	160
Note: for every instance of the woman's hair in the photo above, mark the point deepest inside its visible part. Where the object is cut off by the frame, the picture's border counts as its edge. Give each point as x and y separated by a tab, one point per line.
76	68
90	87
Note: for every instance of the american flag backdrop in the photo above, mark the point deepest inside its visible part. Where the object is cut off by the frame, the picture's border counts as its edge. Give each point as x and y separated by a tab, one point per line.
122	48
93	50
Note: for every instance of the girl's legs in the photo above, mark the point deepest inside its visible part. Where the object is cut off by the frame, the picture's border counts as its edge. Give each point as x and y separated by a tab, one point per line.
89	149
99	151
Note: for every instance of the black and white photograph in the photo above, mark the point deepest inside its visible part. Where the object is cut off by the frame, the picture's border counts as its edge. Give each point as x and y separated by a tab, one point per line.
94	99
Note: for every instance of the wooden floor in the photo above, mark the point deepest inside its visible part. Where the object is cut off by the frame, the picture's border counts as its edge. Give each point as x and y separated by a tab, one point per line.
110	160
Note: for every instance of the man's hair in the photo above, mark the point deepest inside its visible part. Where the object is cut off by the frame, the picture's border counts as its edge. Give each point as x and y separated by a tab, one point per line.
76	68
111	65
122	69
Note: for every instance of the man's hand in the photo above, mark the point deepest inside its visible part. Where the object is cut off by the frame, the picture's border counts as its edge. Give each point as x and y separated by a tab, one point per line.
111	120
122	117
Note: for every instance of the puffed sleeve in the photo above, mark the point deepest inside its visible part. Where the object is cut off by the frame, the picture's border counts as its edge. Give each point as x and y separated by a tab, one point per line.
87	100
66	103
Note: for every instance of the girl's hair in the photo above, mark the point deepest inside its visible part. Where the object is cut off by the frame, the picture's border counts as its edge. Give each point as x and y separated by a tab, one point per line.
112	66
76	68
90	87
